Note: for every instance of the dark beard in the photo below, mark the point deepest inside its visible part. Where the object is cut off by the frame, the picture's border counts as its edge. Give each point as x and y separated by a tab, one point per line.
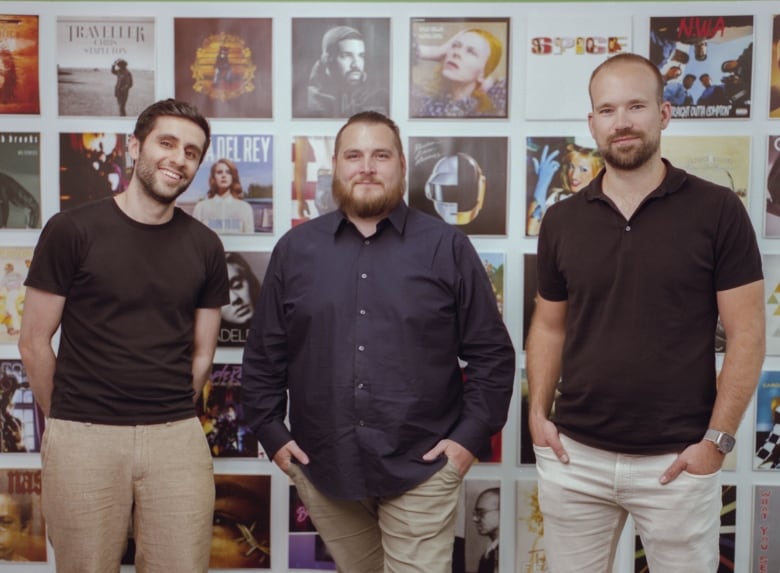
366	209
146	179
628	161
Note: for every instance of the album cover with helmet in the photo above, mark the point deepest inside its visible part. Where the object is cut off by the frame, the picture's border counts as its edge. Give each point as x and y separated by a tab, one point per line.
460	180
105	65
223	65
19	89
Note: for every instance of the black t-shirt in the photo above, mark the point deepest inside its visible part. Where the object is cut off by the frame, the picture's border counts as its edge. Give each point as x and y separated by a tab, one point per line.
131	289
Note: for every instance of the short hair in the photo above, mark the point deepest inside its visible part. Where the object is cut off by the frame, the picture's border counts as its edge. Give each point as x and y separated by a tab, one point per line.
630	58
331	39
490	491
692	76
704	76
371	117
235	185
171	108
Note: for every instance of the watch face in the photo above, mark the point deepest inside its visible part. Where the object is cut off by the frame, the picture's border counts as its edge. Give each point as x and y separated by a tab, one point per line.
726	443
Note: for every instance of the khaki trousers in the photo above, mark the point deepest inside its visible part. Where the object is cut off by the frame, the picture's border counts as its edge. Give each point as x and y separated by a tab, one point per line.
97	477
411	533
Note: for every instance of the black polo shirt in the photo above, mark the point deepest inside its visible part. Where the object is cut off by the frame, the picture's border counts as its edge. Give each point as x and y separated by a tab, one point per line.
638	363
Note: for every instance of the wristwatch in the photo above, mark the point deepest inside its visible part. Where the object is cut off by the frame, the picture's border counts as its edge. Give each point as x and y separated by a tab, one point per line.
724	442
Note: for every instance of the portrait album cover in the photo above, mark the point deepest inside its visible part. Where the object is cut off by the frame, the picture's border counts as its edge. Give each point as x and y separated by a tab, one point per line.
767	444
24	537
14	262
561	52
105	65
92	166
245	275
19	93
459	67
706	63
477	522
774	86
772	302
223	65
461	180
232	192
529	291
555	169
726	539
340	66
20	180
772	202
721	159
21	420
307	550
529	537
765	546
494	267
312	177
525	446
222	415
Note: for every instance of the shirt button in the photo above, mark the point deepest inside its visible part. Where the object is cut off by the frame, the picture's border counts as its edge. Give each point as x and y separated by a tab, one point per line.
366	242
362	423
628	227
363	275
361	348
362	312
360	386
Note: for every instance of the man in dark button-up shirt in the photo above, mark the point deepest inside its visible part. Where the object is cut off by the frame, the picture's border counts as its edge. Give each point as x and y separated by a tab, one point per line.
363	317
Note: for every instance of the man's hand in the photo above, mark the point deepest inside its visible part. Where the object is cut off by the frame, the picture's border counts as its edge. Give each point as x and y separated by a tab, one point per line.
457	454
699	459
287	452
544	433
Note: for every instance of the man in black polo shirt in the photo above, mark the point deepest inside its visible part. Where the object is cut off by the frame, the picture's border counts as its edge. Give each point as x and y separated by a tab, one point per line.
632	273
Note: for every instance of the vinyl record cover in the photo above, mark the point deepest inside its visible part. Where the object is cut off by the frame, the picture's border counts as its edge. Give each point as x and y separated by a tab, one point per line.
772	302
556	168
312	177
774	87
105	65
340	66
232	192
726	540
461	180
92	166
20	180
765	545
459	67
772	203
307	550
706	63
24	537
19	93
223	65
222	416
529	550
767	444
494	267
14	261
21	420
561	52
477	531
245	274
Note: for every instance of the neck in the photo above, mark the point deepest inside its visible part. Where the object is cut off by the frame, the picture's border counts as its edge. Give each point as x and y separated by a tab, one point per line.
640	181
462	91
140	207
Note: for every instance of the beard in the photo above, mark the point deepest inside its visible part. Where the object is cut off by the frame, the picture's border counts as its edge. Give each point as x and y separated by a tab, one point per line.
375	205
633	158
165	195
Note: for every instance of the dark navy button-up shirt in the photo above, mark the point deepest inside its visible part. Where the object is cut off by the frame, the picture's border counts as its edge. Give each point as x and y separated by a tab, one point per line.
365	334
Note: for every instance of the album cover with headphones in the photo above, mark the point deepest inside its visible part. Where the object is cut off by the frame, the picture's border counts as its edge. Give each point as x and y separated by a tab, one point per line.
92	166
774	87
21	420
19	93
706	63
223	65
22	527
222	416
245	275
340	66
461	180
105	65
561	52
312	195
459	67
20	180
232	192
772	202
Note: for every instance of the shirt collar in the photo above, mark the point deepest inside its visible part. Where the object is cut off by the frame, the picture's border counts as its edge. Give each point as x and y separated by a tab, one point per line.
396	218
672	182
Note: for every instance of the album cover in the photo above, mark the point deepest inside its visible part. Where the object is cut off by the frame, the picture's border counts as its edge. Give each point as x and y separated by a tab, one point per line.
706	63
767	445
340	66
21	420
461	180
19	93
561	53
772	211
477	522
223	65
494	267
92	166
15	262
21	519
765	543
774	79
245	274
307	550
459	67
772	302
20	180
105	65
232	192
529	544
312	196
